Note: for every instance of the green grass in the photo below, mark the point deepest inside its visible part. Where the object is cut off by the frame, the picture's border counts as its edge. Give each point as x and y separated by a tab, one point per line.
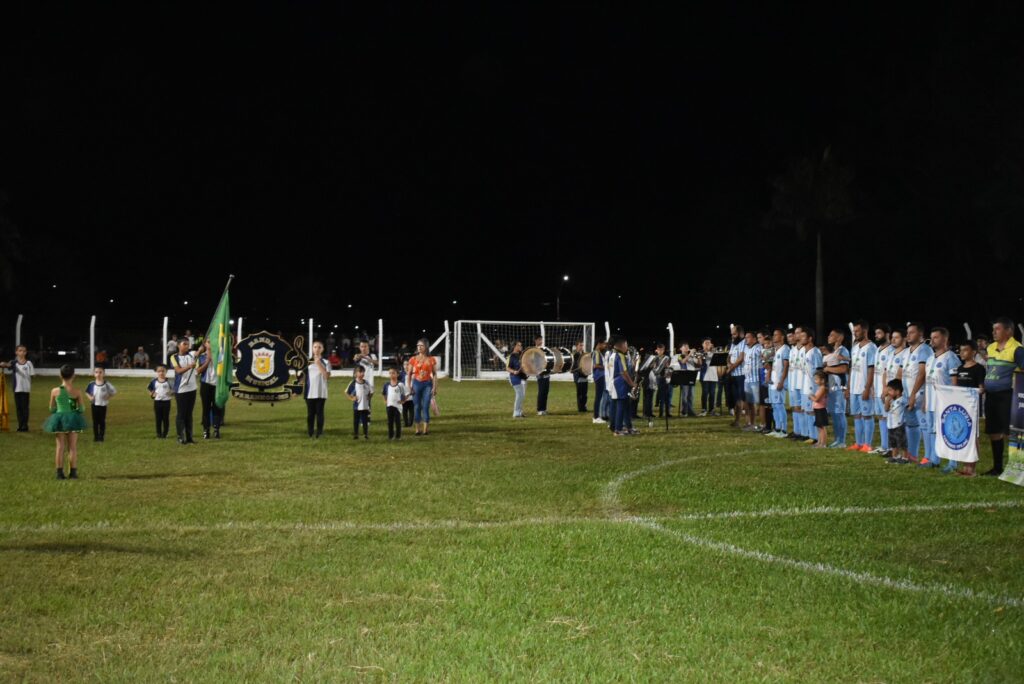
269	557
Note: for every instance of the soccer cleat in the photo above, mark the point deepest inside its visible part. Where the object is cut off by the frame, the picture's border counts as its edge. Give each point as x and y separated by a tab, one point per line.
865	449
923	460
599	421
853	447
809	440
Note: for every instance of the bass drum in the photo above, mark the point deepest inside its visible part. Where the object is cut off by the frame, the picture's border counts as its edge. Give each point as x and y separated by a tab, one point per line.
533	361
566	365
586	366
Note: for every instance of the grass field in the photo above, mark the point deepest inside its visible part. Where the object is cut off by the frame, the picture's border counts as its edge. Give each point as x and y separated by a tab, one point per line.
534	550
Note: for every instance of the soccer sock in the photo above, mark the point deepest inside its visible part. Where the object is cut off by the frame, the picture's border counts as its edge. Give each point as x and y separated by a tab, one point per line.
883	432
869	430
997	453
839	426
858	430
913	441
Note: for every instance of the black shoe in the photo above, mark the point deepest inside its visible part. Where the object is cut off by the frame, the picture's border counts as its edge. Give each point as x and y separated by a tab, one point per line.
206	434
190	441
992	472
73	474
366	436
60	474
356	437
216	433
181	441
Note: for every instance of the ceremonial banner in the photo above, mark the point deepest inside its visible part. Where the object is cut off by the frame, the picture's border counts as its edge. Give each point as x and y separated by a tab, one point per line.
265	364
956	423
221	353
1014	468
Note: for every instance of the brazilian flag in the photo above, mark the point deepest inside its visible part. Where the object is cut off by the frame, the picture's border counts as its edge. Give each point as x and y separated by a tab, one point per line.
221	350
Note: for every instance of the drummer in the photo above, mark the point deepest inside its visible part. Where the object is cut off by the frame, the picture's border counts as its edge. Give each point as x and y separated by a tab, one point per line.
543	383
517	378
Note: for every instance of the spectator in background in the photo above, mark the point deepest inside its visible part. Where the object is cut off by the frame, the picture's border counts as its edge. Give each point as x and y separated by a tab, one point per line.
982	346
191	340
101	359
123	359
141	358
172	346
334	359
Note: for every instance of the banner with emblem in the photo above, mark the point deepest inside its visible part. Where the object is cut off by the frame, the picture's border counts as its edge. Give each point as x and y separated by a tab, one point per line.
266	363
956	423
1013	471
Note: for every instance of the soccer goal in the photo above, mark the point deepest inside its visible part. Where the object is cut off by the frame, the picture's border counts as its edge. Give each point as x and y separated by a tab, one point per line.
482	347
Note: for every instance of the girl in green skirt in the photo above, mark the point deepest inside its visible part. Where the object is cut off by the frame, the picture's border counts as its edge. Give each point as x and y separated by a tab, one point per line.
66	420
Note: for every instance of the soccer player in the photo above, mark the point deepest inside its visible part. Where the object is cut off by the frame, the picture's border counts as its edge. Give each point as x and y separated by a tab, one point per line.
1005	354
940	370
863	359
751	374
837	369
894	371
882	358
796	383
734	372
812	362
914	374
778	382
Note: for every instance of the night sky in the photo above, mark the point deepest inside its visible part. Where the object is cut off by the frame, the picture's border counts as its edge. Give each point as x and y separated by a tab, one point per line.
402	159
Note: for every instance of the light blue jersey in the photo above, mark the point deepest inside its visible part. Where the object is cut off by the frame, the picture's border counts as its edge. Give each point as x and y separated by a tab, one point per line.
912	368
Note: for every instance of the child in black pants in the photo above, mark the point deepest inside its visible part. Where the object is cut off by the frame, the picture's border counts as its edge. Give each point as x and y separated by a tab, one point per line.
394	395
99	392
161	391
359	392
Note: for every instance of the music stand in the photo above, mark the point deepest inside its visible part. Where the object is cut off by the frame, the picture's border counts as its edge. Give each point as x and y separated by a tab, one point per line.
719	359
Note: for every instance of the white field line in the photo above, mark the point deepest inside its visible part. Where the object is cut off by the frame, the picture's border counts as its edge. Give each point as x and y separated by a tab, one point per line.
610	500
948	590
323	526
841	510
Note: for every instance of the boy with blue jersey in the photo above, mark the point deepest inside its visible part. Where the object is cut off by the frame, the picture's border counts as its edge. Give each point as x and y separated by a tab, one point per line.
882	359
863	358
778	382
619	384
940	370
837	368
914	374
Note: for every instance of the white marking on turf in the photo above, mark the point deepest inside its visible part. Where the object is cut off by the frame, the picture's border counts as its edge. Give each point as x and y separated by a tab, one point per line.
610	500
323	526
948	590
846	510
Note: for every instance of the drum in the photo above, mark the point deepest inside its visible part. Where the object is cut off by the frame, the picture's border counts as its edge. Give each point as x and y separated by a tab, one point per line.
586	366
533	361
566	365
536	360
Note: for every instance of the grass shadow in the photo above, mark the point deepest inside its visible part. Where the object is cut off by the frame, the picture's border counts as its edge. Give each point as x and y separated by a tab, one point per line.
160	476
84	547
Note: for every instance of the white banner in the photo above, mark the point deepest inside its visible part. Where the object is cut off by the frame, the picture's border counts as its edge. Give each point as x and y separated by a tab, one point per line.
956	423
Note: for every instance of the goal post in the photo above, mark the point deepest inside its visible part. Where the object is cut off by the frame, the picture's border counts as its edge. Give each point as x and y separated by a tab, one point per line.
482	347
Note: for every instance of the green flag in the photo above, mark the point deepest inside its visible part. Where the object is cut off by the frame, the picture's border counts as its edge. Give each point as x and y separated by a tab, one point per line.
221	351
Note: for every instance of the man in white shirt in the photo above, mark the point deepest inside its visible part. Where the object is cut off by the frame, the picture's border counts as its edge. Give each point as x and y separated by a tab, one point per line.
863	359
882	360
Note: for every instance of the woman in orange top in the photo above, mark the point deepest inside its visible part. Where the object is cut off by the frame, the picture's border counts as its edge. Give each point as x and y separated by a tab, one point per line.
422	381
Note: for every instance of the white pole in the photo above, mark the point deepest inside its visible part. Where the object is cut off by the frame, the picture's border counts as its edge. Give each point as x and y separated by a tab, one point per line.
607	330
238	336
447	350
380	345
17	331
543	336
163	354
671	340
479	351
92	342
310	341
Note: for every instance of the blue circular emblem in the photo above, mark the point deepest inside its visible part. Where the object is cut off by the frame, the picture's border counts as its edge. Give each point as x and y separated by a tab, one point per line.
956	425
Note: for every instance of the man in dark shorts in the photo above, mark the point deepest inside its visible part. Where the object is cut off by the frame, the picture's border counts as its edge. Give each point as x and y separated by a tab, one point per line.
1005	355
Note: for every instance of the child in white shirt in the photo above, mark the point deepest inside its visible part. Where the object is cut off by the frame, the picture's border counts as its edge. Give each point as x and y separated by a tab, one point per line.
395	394
359	392
100	391
161	391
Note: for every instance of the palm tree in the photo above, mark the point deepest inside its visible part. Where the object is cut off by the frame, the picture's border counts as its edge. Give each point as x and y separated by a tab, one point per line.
811	195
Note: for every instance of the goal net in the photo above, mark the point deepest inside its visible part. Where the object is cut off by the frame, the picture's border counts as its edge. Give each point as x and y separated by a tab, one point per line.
482	347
